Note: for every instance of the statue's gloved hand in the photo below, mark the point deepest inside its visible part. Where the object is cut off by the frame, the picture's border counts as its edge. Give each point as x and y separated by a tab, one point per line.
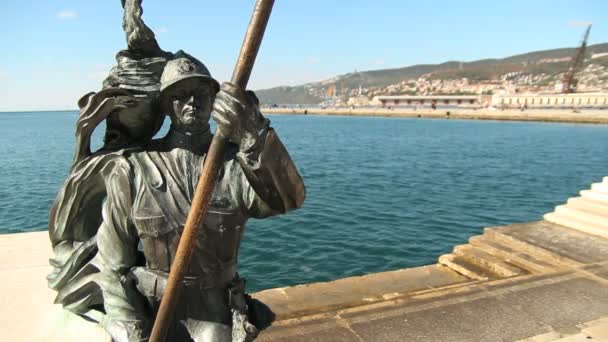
237	113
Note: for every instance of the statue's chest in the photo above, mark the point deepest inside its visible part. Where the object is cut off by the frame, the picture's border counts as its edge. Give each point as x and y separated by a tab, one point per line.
163	197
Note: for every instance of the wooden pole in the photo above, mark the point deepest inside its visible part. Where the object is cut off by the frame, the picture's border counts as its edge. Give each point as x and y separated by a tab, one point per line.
208	179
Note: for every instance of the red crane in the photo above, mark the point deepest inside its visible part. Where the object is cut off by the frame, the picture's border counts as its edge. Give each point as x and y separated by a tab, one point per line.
570	82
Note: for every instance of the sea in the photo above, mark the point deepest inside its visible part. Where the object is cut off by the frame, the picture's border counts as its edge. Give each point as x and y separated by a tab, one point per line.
382	193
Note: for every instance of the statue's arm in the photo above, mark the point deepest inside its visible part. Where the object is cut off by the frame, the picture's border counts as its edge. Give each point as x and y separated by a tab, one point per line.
85	127
95	108
273	183
117	240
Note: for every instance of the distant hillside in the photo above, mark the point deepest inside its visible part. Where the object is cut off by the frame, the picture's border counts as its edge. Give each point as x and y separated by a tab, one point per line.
286	95
486	69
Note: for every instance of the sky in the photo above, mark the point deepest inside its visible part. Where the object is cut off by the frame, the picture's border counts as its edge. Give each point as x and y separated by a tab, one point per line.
55	51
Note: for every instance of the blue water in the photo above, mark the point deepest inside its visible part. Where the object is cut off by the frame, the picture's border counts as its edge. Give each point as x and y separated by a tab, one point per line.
383	193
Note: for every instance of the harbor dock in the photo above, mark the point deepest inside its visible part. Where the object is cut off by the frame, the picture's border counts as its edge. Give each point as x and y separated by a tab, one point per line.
538	281
591	116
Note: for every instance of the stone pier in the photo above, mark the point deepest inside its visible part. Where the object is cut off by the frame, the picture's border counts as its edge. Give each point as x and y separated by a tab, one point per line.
538	281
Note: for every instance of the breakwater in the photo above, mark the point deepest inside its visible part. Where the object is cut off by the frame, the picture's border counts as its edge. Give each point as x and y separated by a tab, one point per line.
582	116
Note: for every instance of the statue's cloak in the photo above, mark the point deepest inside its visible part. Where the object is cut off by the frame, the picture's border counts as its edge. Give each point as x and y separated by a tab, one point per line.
74	219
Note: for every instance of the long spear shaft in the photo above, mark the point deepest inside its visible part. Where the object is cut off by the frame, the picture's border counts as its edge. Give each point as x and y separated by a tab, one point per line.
208	179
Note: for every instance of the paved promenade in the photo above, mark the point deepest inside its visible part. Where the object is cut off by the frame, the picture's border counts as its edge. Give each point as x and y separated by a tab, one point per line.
536	281
584	116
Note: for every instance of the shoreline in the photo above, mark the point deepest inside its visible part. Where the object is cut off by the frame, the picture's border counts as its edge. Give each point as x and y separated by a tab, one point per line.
590	116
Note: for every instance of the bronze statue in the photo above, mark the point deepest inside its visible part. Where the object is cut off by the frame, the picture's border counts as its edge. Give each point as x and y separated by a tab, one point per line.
117	221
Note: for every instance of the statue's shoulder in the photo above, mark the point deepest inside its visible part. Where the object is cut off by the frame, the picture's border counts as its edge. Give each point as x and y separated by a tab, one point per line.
99	163
147	165
118	168
142	158
134	155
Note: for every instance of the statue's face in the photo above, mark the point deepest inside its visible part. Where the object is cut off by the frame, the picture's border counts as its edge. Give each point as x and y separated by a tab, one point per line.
139	117
136	123
190	107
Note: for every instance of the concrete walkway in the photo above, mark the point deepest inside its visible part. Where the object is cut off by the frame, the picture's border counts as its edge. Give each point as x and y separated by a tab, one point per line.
538	281
547	308
27	312
522	281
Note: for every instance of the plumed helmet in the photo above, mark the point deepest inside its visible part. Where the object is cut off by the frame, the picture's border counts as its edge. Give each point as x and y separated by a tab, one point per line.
185	68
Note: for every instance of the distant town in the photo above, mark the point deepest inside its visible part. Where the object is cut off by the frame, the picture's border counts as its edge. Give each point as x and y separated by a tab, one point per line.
567	77
593	78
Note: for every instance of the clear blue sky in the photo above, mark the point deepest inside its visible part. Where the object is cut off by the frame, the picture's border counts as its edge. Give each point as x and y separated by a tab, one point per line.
57	50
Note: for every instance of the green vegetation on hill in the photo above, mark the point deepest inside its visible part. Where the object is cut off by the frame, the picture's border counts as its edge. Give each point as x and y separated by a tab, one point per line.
481	70
287	95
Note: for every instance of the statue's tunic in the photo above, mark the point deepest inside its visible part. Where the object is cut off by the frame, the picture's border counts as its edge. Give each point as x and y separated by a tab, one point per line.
148	199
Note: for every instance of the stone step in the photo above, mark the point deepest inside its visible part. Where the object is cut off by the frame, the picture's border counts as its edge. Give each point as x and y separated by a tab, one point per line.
589	205
572	221
600	187
499	235
487	261
459	264
596	196
582	215
605	180
512	256
580	220
317	298
562	245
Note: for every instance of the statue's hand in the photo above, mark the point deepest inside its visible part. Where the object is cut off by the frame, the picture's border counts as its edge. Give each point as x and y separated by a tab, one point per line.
94	108
237	113
100	106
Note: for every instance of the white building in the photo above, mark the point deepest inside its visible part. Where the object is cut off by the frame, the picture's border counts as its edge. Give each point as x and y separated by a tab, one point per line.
429	100
576	100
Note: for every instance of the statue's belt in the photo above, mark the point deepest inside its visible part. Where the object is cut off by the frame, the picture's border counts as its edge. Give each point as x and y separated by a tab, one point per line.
152	283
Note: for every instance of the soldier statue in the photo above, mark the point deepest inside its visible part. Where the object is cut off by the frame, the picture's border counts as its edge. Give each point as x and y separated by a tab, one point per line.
116	223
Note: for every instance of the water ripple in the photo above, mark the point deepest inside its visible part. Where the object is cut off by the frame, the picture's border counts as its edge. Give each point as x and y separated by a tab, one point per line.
383	193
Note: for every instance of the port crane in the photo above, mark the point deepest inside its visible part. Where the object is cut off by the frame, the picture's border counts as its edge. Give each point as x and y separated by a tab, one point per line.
570	82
